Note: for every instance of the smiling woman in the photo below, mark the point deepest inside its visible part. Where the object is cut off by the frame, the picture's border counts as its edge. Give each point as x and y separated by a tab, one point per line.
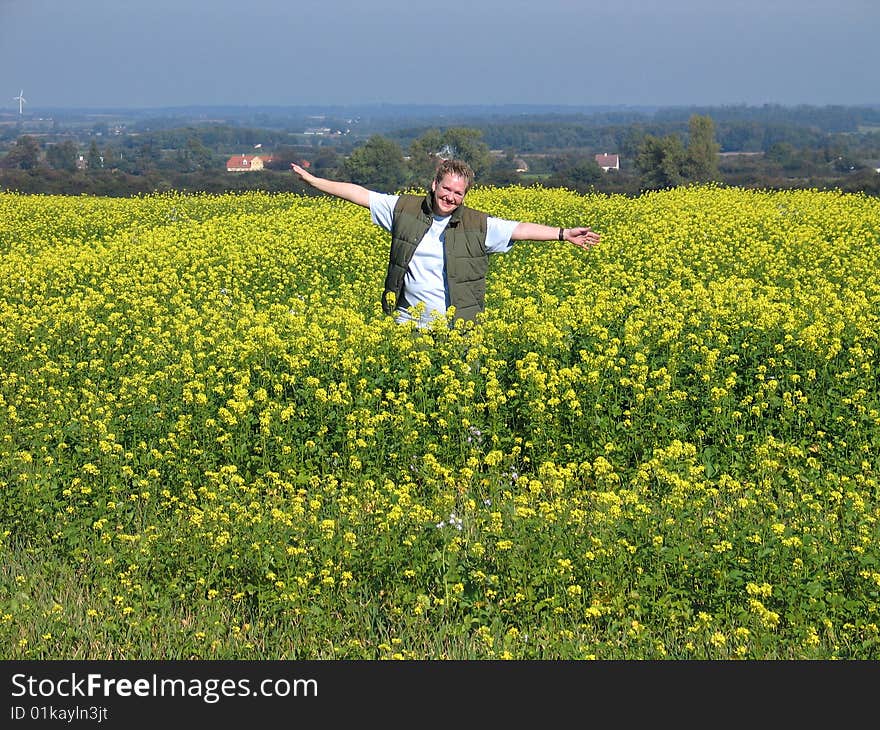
449	188
440	247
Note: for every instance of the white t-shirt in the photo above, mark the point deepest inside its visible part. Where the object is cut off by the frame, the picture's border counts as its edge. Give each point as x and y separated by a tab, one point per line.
425	278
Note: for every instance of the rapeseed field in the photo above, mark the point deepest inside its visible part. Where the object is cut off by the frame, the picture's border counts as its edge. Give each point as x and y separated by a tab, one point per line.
214	445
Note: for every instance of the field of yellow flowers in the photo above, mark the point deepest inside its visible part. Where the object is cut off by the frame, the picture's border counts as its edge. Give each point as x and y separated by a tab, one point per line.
214	445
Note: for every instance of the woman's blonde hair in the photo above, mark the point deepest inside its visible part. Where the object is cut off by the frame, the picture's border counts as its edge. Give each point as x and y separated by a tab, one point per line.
457	168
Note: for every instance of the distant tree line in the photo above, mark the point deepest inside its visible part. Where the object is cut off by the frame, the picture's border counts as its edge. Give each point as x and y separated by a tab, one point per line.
789	150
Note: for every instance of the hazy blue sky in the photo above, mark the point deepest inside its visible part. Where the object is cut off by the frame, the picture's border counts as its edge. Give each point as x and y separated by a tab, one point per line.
150	53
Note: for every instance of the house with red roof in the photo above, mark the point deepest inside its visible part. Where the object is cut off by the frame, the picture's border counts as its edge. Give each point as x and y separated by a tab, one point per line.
608	162
247	163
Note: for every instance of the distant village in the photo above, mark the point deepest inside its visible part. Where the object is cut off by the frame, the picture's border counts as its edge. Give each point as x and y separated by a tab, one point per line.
261	160
622	151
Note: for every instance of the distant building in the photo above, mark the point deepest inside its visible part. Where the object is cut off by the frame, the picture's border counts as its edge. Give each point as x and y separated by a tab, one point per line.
247	163
519	164
608	162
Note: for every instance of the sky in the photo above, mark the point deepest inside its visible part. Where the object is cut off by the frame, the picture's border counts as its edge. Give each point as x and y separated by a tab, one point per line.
169	53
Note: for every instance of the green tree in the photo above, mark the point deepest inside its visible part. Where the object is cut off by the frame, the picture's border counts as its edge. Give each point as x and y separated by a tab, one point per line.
701	164
785	155
631	141
665	162
109	158
24	155
661	161
198	156
62	156
502	172
462	143
466	144
576	172
423	156
584	174
146	156
94	158
378	164
326	162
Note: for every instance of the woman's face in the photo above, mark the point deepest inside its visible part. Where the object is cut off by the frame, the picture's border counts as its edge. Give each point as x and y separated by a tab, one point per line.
448	193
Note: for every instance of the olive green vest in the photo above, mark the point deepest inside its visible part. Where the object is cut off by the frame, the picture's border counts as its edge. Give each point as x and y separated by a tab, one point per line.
466	260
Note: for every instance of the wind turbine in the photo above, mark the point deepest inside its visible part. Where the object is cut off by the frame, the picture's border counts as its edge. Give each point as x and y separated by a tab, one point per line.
21	100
